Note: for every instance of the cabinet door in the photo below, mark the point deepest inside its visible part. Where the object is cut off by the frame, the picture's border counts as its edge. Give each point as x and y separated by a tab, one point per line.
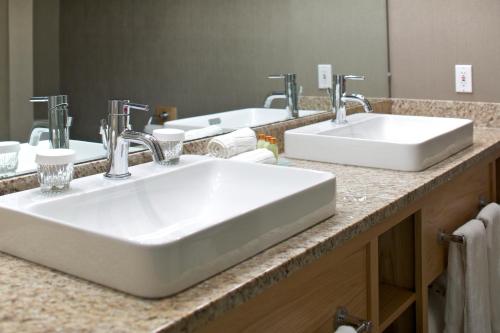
449	207
306	301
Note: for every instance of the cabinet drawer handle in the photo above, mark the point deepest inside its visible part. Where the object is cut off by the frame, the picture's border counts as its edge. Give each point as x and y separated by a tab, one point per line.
342	317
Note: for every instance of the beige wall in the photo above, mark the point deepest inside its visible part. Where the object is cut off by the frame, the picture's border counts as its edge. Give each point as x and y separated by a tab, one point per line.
20	68
211	56
4	71
427	38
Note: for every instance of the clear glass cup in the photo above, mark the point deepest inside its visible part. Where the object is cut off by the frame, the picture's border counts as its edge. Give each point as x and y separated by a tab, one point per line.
172	151
171	141
55	177
8	163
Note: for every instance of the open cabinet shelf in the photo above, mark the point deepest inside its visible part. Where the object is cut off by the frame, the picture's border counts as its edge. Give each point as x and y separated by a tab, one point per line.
393	302
396	249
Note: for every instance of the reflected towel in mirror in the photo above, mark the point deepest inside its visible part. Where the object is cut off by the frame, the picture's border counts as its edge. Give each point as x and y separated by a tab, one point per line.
234	143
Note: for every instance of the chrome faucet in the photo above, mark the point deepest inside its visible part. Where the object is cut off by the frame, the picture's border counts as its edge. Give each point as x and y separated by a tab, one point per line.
340	97
118	137
59	121
290	95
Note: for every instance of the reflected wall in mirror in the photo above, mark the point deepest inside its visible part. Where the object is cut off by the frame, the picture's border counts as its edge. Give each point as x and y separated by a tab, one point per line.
192	61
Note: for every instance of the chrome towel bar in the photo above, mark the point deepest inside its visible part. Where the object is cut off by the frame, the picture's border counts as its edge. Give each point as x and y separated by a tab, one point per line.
342	317
443	237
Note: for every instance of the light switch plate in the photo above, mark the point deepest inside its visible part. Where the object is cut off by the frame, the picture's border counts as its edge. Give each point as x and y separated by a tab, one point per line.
463	78
325	76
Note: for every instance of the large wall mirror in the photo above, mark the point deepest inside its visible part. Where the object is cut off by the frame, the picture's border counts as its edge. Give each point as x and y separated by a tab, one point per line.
188	59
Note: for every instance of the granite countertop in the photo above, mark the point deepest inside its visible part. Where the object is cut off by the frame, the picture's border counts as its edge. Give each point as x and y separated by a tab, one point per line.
38	299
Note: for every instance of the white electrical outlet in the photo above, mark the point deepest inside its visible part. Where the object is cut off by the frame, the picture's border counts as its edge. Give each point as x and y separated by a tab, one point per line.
463	78
325	76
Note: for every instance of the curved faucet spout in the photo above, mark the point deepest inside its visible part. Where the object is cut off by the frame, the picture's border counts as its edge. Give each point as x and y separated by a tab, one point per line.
271	98
148	140
340	97
357	98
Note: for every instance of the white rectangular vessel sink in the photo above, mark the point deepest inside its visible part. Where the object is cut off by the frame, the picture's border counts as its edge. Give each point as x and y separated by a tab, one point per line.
407	143
166	228
233	120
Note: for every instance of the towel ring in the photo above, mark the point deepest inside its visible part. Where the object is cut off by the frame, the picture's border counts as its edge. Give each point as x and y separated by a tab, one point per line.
342	317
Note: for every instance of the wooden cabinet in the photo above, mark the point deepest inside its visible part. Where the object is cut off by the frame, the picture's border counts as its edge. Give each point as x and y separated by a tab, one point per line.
382	275
307	300
449	207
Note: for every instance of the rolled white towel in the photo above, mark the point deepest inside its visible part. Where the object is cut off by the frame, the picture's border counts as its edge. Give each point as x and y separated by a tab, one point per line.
345	329
203	132
234	143
261	155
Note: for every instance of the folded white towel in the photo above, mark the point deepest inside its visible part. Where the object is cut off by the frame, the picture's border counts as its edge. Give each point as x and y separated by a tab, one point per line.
345	329
234	143
261	155
203	132
490	215
467	294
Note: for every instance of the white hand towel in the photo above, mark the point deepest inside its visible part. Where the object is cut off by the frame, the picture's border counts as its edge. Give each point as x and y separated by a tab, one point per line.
490	215
345	329
203	132
261	155
437	305
467	295
234	143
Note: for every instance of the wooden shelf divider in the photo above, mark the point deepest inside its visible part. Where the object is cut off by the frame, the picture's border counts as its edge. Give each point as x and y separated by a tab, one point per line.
393	302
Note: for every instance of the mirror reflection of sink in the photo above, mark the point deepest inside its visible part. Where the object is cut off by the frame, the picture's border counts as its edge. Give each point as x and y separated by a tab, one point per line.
85	151
233	120
407	143
164	229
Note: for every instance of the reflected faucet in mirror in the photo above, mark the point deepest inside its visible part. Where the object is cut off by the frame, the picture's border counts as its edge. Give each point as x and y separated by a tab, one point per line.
59	121
118	137
340	97
290	95
38	134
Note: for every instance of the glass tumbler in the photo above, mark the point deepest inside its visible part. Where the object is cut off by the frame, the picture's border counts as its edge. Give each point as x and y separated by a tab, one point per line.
171	142
9	152
55	169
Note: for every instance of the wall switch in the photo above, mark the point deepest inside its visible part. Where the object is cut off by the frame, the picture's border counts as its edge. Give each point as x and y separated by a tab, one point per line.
325	76
463	78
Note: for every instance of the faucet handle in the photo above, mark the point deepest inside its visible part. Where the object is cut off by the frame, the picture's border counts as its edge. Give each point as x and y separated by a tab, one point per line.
54	101
119	107
135	106
276	76
41	99
288	76
354	77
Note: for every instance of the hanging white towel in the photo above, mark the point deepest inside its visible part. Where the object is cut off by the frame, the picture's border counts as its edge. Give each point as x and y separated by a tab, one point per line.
490	215
237	142
437	304
467	295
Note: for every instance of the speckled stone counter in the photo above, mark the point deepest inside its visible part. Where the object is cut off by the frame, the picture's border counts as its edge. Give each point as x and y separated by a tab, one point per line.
37	299
483	114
